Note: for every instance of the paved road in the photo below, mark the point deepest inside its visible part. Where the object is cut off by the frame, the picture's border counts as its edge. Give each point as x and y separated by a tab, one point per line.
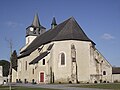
55	86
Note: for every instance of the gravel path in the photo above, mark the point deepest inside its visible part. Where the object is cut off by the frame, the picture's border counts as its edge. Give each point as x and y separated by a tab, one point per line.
54	86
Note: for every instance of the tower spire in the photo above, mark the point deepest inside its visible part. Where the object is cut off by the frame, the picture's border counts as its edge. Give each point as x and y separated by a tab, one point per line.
36	22
34	30
53	24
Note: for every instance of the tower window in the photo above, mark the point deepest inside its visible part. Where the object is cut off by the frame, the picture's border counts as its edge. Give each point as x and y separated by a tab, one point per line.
62	59
43	61
104	72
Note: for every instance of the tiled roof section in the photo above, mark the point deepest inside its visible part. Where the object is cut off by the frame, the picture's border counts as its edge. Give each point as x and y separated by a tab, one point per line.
45	38
67	30
116	70
71	31
42	55
27	53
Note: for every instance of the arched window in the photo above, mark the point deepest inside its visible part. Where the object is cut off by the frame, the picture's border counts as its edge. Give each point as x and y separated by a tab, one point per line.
104	72
62	57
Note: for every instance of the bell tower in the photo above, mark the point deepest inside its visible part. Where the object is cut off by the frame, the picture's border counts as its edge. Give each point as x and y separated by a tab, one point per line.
34	30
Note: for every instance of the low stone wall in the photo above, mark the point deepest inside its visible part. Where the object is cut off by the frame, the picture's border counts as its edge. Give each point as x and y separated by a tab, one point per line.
116	78
1	80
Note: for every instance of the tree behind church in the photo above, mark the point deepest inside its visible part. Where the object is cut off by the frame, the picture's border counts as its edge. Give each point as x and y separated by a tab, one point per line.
6	65
14	60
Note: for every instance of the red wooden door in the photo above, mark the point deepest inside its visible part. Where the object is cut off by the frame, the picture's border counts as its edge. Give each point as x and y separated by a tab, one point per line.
42	77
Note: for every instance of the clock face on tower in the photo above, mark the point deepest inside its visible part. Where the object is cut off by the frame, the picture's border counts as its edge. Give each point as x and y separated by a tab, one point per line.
31	28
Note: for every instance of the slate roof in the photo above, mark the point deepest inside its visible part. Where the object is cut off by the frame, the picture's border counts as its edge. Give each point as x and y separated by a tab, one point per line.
36	23
67	30
25	54
42	55
115	70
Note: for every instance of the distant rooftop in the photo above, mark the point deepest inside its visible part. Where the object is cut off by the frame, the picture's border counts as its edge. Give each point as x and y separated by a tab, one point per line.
116	70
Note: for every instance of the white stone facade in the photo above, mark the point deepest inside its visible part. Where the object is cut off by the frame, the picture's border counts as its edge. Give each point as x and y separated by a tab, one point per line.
88	67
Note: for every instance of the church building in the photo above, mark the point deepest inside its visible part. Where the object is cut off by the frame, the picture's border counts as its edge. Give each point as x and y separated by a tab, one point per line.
62	54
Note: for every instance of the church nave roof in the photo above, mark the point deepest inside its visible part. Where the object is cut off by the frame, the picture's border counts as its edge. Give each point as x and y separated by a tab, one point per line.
67	30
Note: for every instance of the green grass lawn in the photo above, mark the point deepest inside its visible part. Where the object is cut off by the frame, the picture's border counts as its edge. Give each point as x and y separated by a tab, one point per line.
113	86
22	88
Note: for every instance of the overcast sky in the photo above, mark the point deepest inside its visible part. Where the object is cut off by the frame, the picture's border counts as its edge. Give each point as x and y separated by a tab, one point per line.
100	20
